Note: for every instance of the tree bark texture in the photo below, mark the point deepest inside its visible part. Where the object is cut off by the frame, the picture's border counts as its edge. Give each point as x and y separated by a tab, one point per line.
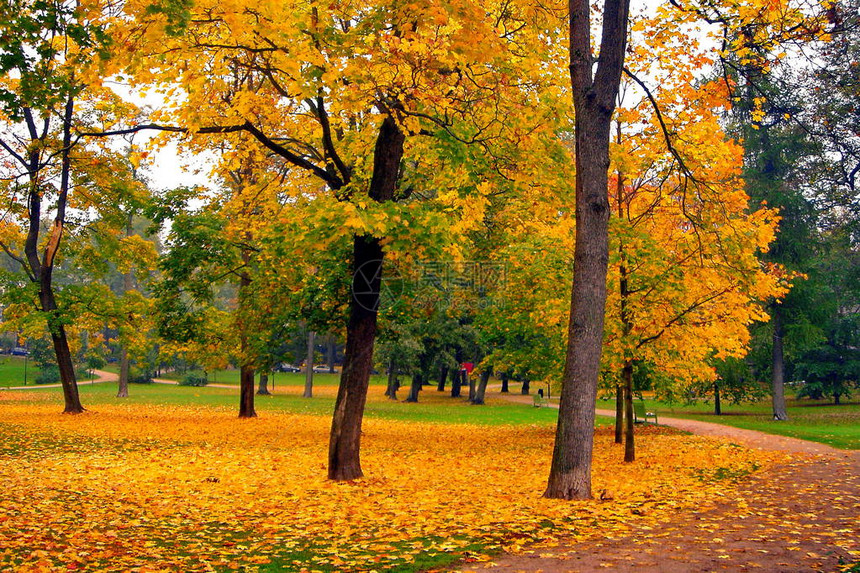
629	417
456	383
414	388
481	392
718	411
246	392
526	387
619	413
443	376
263	387
127	285
505	378
778	375
594	97
344	461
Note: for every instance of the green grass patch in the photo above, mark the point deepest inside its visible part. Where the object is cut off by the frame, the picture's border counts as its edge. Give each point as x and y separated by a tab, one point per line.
12	371
814	420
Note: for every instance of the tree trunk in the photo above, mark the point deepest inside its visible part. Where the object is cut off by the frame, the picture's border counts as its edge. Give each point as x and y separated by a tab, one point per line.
629	418
415	388
390	388
619	414
263	388
778	377
836	399
471	380
718	411
127	284
594	98
124	368
456	382
482	386
525	389
504	377
309	367
246	392
443	375
345	442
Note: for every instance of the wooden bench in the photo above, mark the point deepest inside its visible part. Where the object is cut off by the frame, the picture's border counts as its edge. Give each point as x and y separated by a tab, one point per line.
540	401
640	414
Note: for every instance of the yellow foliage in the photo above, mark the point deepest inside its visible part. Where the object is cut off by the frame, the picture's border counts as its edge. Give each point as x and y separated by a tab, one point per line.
193	488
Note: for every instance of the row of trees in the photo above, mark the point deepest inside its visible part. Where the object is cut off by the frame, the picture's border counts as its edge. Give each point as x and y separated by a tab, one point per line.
403	172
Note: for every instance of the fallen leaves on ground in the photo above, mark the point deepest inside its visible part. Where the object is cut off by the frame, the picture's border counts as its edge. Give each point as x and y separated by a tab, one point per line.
131	487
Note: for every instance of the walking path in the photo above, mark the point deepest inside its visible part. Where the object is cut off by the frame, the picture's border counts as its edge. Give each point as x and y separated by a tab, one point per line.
803	516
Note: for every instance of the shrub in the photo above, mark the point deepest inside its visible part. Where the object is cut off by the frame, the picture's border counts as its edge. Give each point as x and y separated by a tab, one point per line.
194	379
136	376
48	374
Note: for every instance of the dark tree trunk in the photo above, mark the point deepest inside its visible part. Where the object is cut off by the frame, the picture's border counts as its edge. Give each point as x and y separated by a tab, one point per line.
344	461
526	387
482	386
471	380
263	388
836	399
594	96
778	376
415	387
246	392
443	375
456	382
718	411
391	387
504	377
309	370
629	418
619	413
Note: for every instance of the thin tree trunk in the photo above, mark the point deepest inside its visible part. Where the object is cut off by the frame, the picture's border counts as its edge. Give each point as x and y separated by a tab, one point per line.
456	382
504	377
415	388
619	413
629	418
717	408
594	96
330	352
471	380
309	366
263	388
345	441
124	363
443	375
246	392
391	388
482	386
778	377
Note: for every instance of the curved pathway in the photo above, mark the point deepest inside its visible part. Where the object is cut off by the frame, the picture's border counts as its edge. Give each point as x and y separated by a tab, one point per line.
802	516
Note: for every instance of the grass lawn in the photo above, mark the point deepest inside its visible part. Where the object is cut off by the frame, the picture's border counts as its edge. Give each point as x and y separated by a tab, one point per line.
813	420
231	376
12	371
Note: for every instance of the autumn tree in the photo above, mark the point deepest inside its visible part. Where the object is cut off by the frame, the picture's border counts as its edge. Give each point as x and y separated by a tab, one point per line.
345	95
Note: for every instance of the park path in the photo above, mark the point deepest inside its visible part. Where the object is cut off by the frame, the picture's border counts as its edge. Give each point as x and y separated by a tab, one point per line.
801	516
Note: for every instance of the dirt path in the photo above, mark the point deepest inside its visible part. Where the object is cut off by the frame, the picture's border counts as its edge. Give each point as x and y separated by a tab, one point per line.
803	516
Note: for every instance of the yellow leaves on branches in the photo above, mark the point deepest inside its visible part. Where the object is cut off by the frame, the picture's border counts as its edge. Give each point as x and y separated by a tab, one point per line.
193	488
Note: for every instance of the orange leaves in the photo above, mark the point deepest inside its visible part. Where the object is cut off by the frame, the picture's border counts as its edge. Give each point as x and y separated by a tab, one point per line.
193	488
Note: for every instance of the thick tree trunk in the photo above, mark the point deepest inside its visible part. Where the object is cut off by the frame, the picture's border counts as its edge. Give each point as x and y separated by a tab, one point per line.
778	375
629	418
482	387
246	392
718	411
415	388
263	388
309	368
71	398
526	387
594	97
505	378
619	413
836	399
344	461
